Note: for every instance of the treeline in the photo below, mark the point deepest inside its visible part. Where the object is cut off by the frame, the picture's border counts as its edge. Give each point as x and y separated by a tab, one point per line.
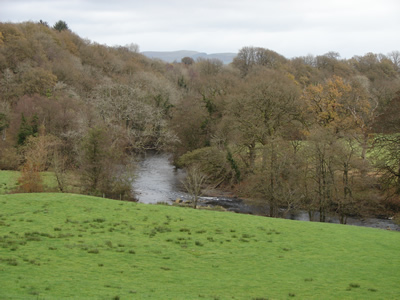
67	104
315	132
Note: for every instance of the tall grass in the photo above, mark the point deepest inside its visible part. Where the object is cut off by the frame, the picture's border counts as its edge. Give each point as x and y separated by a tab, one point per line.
55	246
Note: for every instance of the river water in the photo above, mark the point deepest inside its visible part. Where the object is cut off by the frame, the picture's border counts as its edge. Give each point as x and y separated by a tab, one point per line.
159	181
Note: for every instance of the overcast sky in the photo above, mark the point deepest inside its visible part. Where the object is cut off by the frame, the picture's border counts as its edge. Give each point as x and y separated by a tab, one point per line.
289	27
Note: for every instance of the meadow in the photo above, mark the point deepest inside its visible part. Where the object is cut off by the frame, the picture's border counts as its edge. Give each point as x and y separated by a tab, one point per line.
56	246
9	182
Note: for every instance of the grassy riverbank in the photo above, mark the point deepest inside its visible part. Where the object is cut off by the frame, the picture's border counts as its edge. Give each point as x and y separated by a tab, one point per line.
55	246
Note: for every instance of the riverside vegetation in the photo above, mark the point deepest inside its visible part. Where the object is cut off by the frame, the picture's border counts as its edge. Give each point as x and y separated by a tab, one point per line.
317	133
55	246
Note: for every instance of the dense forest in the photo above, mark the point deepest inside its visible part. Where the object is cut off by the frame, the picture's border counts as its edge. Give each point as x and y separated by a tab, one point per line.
318	133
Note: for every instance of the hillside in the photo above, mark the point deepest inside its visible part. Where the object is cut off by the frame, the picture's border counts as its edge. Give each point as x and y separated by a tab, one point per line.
317	133
58	246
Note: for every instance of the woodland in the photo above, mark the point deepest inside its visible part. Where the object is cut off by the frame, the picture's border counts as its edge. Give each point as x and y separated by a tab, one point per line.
317	133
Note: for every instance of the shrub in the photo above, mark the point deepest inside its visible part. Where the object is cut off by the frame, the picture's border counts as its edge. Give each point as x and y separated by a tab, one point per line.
30	180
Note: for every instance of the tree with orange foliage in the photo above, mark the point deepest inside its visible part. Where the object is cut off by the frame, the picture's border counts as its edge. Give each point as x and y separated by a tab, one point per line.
332	126
30	180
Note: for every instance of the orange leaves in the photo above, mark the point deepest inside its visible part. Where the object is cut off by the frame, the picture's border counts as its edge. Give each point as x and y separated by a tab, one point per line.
325	102
30	180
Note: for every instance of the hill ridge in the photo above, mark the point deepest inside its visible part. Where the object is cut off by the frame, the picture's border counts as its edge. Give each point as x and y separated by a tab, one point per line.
171	56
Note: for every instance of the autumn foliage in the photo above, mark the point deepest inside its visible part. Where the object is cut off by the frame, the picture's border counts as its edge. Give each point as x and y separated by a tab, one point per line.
313	132
30	180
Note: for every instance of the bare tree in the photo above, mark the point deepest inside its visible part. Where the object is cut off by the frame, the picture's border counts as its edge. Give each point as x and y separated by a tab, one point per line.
193	183
132	47
395	58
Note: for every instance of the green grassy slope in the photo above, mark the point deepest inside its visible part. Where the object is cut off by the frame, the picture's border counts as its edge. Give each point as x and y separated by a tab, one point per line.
8	181
55	246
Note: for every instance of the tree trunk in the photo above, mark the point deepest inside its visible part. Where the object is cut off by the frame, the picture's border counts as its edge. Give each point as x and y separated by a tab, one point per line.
252	156
398	179
346	194
195	202
272	170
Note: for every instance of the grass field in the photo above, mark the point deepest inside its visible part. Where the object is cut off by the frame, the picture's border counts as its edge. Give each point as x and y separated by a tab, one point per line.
55	246
9	181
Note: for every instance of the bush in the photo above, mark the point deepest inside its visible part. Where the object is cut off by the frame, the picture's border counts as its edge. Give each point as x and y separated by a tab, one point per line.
30	180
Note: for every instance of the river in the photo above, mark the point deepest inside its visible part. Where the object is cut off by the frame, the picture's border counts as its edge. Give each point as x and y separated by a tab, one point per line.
159	181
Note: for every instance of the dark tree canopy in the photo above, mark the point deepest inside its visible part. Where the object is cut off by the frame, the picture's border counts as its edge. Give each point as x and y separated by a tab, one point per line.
60	26
187	60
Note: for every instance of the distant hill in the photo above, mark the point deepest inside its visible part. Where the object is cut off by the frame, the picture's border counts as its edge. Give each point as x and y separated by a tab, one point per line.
171	56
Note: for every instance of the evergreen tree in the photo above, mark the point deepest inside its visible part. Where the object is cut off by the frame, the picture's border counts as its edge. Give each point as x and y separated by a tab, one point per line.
35	125
60	26
24	131
93	160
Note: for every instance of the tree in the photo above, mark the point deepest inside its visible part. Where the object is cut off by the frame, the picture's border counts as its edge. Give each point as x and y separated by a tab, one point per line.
44	23
25	130
209	67
248	57
37	81
9	87
262	117
187	61
387	146
4	118
60	26
30	180
93	160
375	67
39	149
60	167
278	183
193	183
104	169
322	145
43	152
218	164
265	107
335	115
132	47
395	58
142	116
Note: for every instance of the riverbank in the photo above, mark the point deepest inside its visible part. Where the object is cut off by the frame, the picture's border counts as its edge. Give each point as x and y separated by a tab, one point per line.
159	181
227	200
